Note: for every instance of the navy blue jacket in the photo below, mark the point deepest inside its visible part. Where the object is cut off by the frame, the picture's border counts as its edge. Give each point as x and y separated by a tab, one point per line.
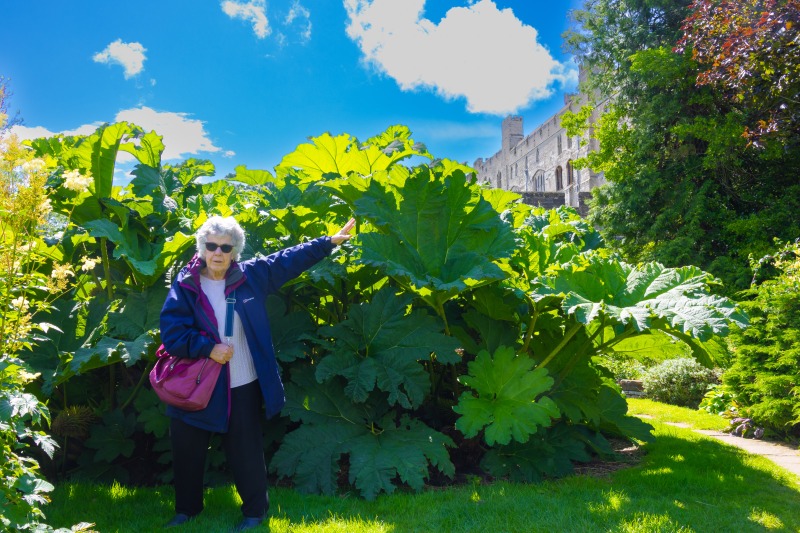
189	326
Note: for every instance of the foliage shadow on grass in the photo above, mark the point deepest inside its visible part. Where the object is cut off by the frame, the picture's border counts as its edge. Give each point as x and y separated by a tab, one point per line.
686	482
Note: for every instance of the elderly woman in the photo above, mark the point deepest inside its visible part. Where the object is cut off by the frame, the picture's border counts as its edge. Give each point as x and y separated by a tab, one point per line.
192	322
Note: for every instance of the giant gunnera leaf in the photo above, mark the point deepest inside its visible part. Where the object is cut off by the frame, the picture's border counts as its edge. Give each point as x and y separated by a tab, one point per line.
643	297
327	155
381	345
437	235
506	404
381	450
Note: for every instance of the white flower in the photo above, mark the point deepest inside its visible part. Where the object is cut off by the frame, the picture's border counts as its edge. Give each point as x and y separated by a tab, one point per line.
33	165
20	303
61	272
88	264
74	181
45	207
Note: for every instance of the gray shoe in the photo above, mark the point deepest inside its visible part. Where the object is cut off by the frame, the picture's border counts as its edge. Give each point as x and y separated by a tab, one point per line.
248	523
179	519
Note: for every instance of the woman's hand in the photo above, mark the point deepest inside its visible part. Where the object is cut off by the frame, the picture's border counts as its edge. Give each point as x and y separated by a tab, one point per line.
221	353
344	233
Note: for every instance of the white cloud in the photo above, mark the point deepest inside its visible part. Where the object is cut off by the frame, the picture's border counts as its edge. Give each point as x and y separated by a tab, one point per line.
302	19
254	12
479	52
129	55
35	132
183	136
228	153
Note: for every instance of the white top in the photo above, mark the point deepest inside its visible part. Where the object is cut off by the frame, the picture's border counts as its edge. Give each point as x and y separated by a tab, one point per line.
241	364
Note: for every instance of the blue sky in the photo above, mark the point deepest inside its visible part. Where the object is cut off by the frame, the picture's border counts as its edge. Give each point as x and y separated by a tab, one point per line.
243	82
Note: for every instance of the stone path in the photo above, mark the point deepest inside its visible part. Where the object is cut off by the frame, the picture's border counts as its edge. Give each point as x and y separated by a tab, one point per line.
782	455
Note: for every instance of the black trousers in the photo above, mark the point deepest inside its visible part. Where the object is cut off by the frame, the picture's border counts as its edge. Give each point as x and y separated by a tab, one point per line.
244	452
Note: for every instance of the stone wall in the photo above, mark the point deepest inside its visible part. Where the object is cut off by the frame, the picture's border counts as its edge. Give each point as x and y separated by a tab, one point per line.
541	162
552	200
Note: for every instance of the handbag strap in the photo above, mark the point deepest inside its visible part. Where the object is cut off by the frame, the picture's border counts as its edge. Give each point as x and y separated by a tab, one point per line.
229	317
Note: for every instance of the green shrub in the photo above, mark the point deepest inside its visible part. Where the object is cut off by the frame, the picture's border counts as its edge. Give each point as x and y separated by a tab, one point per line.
681	381
719	400
624	368
765	371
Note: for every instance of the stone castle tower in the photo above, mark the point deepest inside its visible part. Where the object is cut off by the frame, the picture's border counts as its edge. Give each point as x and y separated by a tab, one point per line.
539	165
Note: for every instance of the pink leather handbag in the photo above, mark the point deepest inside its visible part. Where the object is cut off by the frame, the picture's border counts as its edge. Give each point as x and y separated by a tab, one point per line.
184	382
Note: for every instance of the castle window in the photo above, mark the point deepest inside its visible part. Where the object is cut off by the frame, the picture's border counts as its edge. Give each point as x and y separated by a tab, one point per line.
559	144
538	181
537	155
559	179
569	172
569	142
499	179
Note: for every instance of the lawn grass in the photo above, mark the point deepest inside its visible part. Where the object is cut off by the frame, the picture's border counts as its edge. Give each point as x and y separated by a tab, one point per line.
662	412
685	482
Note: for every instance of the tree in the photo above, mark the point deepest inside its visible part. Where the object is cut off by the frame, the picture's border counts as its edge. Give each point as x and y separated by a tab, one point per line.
751	52
683	186
765	372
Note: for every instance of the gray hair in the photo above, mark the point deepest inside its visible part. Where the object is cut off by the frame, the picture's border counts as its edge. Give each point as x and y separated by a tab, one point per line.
218	225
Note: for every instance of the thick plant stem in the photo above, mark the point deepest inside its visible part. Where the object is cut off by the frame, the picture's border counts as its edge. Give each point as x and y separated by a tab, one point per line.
135	390
453	373
440	311
110	291
529	332
581	352
573	330
624	335
106	267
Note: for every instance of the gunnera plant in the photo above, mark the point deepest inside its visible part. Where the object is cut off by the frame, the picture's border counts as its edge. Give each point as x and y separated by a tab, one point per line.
681	381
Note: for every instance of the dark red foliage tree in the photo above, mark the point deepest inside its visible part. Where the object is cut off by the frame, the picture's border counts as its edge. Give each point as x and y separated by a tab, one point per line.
750	49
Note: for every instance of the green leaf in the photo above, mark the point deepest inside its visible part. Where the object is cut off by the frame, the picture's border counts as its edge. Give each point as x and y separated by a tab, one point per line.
98	154
342	155
382	344
187	172
437	236
289	330
15	404
149	148
549	454
109	351
577	392
402	450
30	484
379	449
635	295
148	181
310	455
320	403
139	313
652	346
506	404
151	413
493	333
614	417
251	176
112	438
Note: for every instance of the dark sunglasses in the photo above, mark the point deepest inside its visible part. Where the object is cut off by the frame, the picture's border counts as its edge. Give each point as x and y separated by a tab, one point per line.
226	248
